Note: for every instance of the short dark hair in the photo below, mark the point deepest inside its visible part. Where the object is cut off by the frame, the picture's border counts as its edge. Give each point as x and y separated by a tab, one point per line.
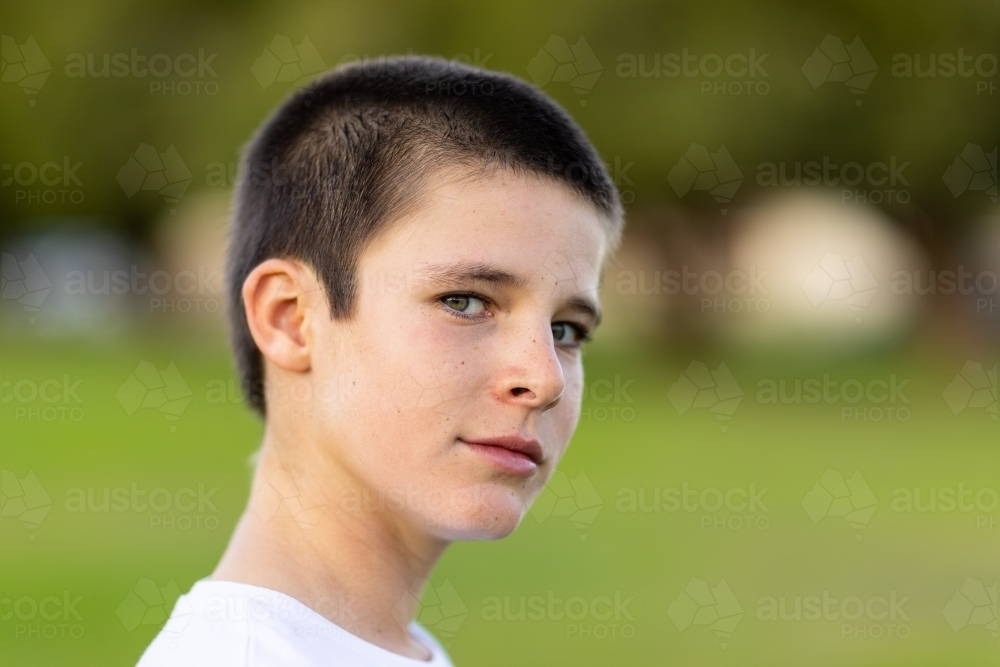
342	158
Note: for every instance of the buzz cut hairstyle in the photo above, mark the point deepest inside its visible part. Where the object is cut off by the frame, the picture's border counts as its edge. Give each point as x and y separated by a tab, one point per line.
347	155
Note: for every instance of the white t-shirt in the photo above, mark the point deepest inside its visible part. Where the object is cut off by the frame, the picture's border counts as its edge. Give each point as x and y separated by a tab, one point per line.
227	624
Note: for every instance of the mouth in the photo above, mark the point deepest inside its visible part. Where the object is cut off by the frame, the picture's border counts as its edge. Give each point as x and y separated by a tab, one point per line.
514	455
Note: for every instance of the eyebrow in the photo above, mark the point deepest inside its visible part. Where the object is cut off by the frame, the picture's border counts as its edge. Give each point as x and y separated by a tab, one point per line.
497	277
471	271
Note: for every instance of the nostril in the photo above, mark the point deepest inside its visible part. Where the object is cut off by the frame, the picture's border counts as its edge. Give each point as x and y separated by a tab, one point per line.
519	391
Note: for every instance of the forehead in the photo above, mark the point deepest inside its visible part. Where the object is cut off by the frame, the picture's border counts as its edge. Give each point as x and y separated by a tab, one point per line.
533	227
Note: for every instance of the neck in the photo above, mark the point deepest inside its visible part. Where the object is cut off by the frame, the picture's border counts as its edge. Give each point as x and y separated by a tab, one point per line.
361	568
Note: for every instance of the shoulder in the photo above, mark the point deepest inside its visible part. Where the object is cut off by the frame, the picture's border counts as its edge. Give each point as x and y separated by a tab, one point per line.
227	624
200	631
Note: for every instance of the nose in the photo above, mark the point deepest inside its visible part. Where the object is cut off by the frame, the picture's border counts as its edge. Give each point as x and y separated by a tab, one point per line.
532	374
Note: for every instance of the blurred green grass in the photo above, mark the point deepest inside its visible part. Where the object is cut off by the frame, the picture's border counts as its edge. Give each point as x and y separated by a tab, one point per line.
648	556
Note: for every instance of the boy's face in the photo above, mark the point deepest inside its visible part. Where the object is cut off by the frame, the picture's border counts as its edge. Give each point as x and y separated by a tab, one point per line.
452	392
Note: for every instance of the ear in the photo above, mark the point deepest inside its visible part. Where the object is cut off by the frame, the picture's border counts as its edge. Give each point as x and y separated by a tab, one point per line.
280	298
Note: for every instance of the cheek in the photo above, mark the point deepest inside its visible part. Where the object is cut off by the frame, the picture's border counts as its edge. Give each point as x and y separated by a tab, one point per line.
413	378
437	370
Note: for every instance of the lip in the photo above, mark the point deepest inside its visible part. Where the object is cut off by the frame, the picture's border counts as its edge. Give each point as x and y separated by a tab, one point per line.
515	454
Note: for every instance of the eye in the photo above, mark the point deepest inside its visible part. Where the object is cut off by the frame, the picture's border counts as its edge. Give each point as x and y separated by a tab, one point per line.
569	334
468	305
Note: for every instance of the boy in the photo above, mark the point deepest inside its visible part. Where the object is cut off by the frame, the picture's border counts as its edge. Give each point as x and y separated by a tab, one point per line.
414	261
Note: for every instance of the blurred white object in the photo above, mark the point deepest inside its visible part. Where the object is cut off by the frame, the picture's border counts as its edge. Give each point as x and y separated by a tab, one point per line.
830	268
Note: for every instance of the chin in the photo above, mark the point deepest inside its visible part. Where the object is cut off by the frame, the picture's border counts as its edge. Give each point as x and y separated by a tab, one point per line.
490	514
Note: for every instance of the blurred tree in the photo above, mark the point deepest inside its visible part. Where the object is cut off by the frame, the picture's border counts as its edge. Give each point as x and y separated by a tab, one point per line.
660	76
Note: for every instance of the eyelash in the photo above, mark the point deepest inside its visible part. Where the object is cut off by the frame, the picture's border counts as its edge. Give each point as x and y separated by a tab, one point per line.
583	335
459	314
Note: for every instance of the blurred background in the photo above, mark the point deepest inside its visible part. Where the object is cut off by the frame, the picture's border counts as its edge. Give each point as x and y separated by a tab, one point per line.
789	445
